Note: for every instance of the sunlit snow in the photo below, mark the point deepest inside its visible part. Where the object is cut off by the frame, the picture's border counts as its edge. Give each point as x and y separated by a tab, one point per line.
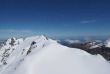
41	55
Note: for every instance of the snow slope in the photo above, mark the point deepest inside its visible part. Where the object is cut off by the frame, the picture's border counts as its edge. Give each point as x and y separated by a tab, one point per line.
40	55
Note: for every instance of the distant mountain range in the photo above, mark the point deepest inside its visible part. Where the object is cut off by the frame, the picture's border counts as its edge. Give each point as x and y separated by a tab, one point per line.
95	47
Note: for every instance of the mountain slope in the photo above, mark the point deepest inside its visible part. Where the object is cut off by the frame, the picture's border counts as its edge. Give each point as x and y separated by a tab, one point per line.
40	55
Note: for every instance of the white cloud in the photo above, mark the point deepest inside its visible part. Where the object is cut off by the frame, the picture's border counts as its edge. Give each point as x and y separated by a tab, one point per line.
72	41
11	30
87	21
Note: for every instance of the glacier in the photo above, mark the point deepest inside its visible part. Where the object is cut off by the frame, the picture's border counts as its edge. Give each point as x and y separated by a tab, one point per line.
41	55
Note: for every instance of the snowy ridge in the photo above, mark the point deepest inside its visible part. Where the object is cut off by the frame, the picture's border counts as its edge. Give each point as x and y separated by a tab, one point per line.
7	49
40	55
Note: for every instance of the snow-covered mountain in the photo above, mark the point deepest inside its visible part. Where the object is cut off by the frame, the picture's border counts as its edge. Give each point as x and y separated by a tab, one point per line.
94	44
99	44
107	43
41	55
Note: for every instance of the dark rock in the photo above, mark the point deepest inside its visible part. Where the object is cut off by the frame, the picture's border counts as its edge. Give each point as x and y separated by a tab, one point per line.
33	43
12	42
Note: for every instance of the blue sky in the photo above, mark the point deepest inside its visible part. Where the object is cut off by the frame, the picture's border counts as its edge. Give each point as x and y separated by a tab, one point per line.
54	18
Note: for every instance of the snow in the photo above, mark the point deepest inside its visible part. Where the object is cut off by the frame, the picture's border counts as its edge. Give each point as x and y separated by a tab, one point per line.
49	57
107	43
95	44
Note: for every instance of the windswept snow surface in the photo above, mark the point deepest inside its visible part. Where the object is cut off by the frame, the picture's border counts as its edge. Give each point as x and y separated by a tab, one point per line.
40	55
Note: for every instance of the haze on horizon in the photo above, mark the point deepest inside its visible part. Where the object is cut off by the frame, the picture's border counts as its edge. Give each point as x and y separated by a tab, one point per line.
54	18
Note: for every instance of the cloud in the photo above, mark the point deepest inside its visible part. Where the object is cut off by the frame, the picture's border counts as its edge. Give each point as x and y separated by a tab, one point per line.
87	21
11	30
72	41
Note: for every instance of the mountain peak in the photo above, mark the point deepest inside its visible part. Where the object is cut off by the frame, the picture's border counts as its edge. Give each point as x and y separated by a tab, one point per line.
40	55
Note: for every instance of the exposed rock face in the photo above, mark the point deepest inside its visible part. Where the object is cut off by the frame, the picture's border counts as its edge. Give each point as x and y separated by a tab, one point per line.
32	46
